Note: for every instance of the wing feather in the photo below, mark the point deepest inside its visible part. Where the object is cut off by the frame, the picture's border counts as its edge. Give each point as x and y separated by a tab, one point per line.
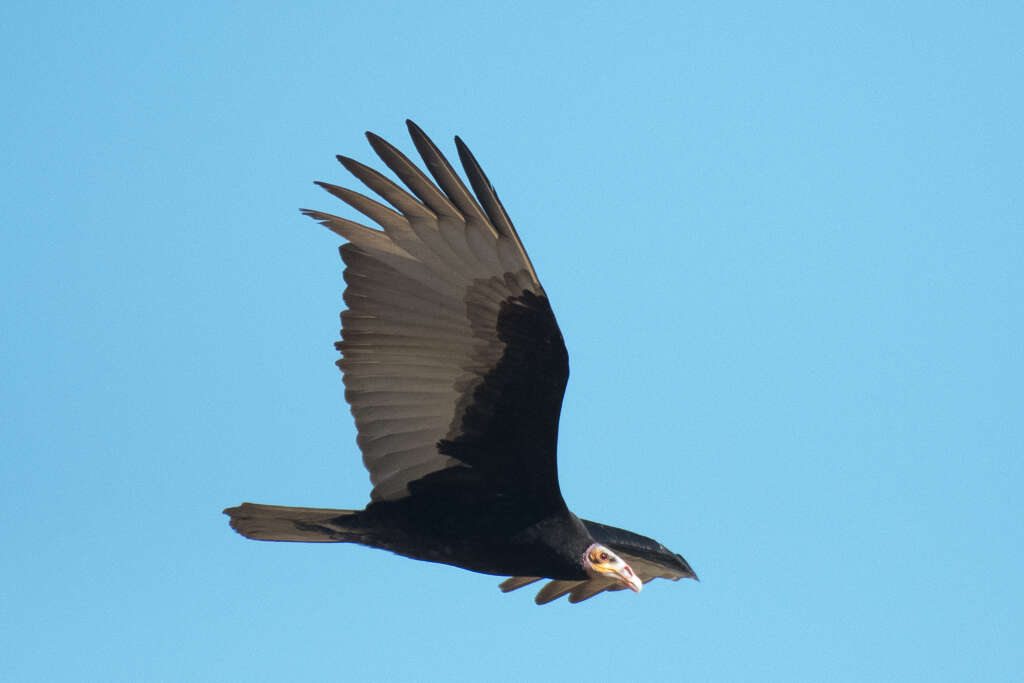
380	184
517	582
448	179
648	558
368	238
413	178
553	590
448	344
492	205
375	211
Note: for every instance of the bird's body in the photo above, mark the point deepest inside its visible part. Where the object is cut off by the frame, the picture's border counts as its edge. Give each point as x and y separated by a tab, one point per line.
482	537
455	368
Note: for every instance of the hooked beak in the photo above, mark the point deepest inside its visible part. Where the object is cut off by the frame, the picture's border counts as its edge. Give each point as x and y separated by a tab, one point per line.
629	579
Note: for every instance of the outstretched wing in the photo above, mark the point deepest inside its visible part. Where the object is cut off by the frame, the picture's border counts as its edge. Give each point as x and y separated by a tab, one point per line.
453	362
648	558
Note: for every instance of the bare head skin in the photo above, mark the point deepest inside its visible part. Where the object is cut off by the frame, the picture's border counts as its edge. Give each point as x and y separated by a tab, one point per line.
601	562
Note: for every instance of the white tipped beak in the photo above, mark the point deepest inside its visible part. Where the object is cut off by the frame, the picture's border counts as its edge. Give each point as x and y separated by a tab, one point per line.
630	579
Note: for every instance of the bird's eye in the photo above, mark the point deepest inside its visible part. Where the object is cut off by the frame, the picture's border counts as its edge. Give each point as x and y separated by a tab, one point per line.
604	557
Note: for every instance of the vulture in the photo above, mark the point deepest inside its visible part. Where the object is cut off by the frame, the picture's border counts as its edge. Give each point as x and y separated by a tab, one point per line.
454	368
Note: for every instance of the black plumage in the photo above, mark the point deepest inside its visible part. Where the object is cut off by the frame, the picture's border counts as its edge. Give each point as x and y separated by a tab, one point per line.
455	369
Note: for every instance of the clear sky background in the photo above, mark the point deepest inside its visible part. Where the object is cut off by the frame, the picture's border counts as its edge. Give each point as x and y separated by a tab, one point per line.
785	245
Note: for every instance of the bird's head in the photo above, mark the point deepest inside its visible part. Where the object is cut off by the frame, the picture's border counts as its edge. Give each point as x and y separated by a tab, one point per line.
601	563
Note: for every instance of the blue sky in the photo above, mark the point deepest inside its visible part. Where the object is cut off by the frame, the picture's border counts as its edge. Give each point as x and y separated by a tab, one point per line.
785	245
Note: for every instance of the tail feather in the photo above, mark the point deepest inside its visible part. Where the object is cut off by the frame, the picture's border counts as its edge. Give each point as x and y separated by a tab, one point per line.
283	523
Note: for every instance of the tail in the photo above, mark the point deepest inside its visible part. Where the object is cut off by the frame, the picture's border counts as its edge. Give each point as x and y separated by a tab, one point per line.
282	523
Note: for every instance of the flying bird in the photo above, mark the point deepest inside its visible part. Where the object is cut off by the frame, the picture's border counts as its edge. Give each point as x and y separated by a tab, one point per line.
455	368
